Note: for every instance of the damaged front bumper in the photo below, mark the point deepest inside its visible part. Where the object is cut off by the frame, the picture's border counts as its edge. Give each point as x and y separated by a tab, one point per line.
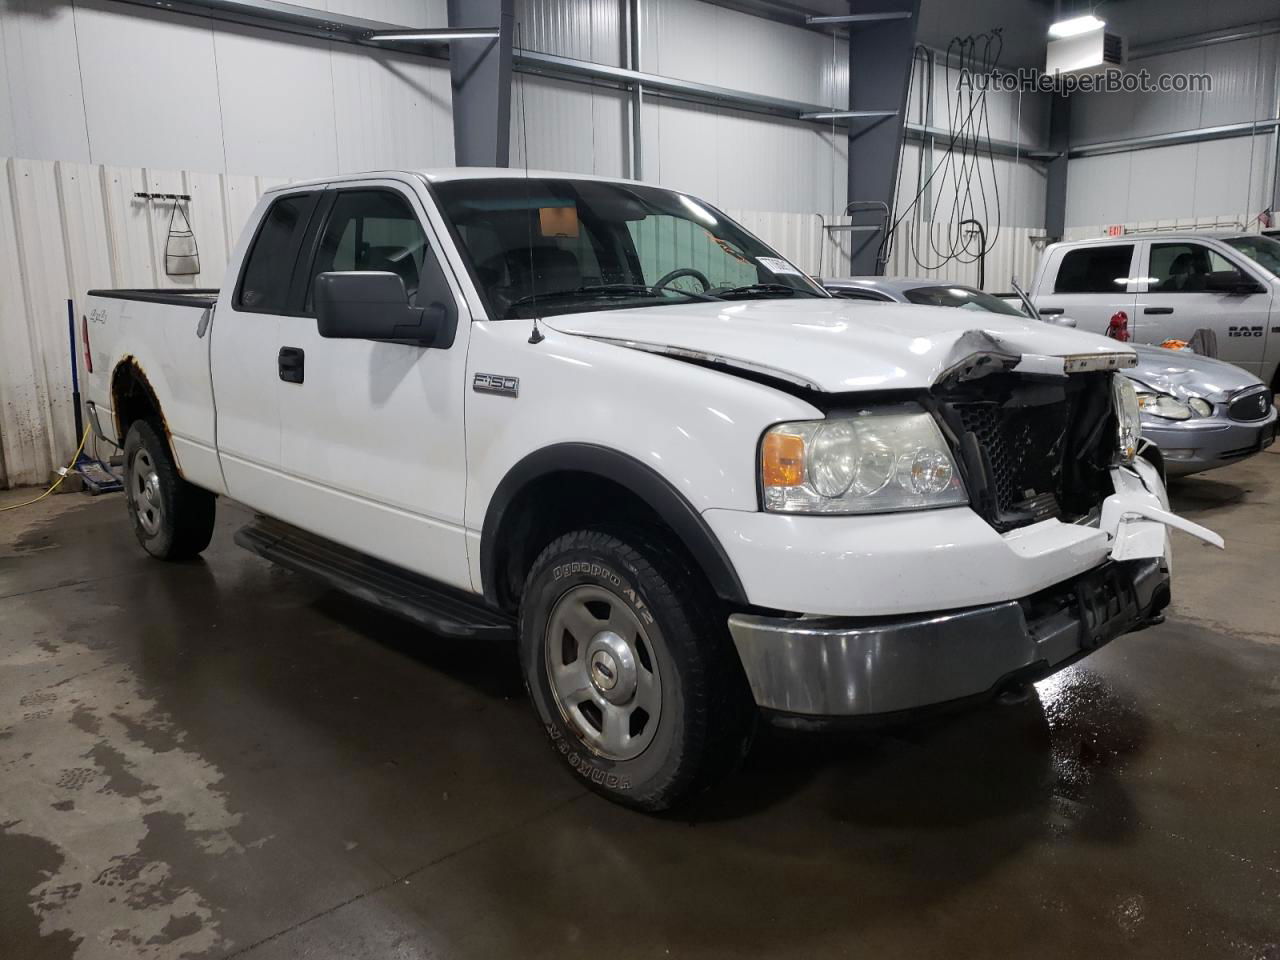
823	666
826	667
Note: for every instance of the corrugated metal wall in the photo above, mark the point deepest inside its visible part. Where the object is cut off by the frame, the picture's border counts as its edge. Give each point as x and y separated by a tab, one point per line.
68	227
1244	88
731	158
1015	252
1186	182
108	83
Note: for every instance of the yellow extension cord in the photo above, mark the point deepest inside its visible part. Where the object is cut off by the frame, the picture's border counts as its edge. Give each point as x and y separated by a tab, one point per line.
76	456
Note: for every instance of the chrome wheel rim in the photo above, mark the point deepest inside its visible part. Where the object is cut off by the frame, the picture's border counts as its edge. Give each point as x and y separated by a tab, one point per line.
603	672
144	491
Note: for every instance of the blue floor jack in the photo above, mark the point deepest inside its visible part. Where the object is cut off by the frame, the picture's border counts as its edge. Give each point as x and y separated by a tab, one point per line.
95	474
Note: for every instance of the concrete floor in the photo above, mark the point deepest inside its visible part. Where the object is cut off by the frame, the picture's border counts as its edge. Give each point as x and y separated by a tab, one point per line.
222	759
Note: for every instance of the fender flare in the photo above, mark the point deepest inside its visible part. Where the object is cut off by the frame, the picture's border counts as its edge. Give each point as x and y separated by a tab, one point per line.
628	472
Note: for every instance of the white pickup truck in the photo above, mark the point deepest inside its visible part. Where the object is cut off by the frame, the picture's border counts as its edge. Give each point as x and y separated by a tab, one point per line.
602	419
1154	287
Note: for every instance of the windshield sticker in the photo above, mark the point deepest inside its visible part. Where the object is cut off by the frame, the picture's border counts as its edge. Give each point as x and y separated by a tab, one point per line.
777	266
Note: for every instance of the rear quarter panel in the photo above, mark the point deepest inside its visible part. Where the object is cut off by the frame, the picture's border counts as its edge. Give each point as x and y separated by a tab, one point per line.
169	344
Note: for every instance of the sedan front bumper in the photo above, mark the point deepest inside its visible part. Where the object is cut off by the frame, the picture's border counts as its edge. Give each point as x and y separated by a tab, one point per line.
815	667
1190	446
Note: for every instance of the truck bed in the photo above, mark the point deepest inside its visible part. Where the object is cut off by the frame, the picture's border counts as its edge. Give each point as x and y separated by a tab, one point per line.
203	297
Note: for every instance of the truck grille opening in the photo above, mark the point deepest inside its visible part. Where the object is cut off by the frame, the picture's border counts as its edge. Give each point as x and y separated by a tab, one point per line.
1032	448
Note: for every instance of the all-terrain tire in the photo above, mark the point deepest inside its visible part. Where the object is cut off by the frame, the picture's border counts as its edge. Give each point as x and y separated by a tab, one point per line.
617	590
172	519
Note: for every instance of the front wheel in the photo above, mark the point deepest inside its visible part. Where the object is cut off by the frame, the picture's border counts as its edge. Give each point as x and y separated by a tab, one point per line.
631	672
172	519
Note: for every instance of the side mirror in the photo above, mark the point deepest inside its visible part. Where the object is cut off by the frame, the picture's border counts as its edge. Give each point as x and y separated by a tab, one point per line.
372	305
1061	320
1230	281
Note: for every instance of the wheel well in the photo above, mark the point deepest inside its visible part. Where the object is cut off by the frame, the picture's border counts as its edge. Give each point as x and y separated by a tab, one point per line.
132	397
551	506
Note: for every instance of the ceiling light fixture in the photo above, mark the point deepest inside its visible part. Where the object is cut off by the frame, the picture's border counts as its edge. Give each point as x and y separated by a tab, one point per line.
438	36
1076	26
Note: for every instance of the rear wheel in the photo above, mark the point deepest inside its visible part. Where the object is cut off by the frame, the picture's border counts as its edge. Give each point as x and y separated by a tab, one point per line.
172	519
630	667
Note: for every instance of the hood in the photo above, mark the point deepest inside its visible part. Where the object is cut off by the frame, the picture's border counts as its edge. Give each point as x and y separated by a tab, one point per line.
836	346
1185	374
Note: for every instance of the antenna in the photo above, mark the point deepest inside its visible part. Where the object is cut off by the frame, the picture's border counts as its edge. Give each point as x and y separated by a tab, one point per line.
536	336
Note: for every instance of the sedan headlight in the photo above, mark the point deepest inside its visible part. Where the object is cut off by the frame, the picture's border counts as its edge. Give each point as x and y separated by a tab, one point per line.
874	461
1128	416
1171	408
1163	405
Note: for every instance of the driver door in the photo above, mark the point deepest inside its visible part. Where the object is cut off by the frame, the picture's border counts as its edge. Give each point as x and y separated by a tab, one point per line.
372	439
1175	302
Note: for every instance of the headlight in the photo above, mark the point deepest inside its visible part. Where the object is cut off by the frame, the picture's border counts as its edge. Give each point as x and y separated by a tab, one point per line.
1171	408
874	461
1163	405
1128	416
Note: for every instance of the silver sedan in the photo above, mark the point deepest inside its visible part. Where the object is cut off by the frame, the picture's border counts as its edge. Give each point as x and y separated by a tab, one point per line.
1199	412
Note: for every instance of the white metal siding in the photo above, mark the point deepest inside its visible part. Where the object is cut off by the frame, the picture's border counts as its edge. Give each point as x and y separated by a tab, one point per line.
65	228
1243	74
1196	181
118	84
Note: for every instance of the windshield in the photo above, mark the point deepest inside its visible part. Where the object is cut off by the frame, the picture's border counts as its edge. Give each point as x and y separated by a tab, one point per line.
965	297
539	247
1263	251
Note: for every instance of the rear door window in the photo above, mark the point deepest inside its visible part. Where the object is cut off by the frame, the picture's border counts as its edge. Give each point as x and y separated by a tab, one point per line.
1095	270
264	281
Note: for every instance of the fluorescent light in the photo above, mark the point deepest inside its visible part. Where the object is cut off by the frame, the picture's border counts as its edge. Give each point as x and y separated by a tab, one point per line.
437	36
1076	26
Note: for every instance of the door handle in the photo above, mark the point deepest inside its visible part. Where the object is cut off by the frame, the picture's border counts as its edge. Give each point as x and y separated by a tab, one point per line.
291	362
1153	310
1051	311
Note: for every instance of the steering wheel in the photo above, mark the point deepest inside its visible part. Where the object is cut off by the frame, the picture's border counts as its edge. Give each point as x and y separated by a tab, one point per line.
674	275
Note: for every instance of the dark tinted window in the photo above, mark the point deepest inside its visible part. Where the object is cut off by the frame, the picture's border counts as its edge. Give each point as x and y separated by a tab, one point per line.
966	298
264	284
1095	270
372	230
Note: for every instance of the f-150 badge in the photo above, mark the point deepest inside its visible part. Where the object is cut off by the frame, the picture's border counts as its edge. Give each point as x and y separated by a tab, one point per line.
496	383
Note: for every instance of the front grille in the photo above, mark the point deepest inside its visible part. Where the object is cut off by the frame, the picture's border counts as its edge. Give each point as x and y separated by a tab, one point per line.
984	422
1252	404
1032	449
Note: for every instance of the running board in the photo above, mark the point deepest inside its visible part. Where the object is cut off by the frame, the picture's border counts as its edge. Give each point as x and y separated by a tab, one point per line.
439	608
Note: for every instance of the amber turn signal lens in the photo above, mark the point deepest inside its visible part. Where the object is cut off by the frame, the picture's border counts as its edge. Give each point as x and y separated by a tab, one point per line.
782	459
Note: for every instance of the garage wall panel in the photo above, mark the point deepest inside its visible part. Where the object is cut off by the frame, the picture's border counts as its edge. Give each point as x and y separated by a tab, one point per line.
66	228
711	44
583	29
390	110
214	96
169	61
277	104
44	80
8	137
1212	181
1243	77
